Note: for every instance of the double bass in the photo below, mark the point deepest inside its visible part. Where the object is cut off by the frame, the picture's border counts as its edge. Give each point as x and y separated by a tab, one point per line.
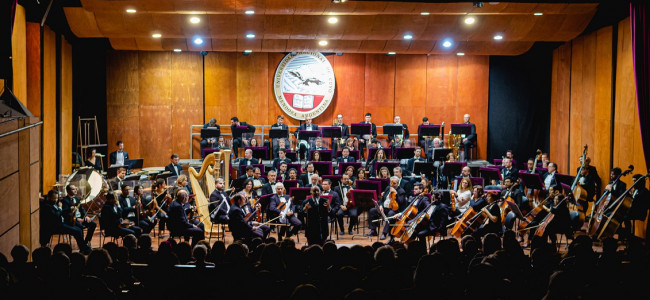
618	211
579	194
602	203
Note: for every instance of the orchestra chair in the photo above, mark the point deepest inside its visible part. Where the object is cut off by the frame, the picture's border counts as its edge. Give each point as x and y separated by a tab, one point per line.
207	151
103	235
222	228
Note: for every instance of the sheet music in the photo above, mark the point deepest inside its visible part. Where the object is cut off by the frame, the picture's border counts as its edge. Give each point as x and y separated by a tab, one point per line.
305	102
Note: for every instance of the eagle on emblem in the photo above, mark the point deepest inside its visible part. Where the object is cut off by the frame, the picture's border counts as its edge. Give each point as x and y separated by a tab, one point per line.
306	81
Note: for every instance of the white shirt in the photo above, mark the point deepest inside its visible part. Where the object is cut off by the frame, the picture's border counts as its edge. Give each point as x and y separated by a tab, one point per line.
119	158
464	196
547	181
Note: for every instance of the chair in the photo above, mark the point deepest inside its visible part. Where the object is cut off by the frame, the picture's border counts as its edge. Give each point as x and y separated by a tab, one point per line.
221	227
102	232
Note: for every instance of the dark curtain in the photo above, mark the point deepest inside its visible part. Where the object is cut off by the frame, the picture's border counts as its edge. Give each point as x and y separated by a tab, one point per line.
641	56
520	101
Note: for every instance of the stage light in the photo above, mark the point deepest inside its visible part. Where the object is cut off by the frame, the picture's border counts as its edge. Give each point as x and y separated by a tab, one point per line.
408	36
538	14
195	20
460	54
425	13
390	53
333	20
498	37
447	43
323	43
469	20
250	12
198	40
250	36
177	50
130	10
156	35
248	51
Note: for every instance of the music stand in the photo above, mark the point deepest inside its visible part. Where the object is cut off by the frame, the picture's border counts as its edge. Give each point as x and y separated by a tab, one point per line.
299	194
331	132
383	182
461	128
210	132
393	129
292	155
307	134
325	155
323	167
278	133
343	166
428	130
336	179
290	184
445	196
259	152
452	169
360	129
402	153
369	185
135	163
532	181
489	174
363	200
565	179
238	184
440	154
422	167
264	201
388	164
518	214
132	177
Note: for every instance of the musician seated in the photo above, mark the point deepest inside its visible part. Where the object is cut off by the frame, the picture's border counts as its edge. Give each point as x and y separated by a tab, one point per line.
342	207
380	156
437	144
112	221
561	222
392	193
518	196
308	126
240	227
149	210
74	211
410	166
438	221
163	199
219	203
616	189
129	210
315	156
529	167
360	175
248	159
91	159
119	156
281	158
209	142
283	208
345	156
349	170
549	176
282	171
349	144
52	222
281	144
404	183
305	178
293	175
383	172
179	225
258	180
545	160
250	170
318	146
493	216
182	183
640	205
314	181
462	195
394	141
478	198
116	183
464	173
509	171
269	187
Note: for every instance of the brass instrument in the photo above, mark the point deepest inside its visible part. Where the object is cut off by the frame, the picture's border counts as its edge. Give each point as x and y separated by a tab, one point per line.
455	142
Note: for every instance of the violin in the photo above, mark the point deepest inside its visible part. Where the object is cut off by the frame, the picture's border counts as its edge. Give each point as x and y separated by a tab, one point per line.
409	213
256	214
393	205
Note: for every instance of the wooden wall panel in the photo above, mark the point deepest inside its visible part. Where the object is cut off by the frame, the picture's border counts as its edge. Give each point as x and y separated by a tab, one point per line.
9	240
442	87
187	99
122	113
9	201
253	88
410	89
349	70
34	68
575	123
65	109
19	56
473	88
154	73
560	99
602	117
380	88
49	108
9	149
220	80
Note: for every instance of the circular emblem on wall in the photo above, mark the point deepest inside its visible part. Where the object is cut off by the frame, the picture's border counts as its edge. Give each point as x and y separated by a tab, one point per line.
304	84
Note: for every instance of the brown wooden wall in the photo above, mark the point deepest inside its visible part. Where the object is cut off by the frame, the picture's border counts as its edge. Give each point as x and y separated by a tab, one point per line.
443	88
581	104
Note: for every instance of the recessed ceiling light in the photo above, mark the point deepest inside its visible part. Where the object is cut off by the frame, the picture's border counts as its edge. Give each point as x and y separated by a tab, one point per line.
250	36
425	13
177	50
538	14
195	20
198	40
447	43
323	43
498	37
248	51
390	53
470	20
156	35
333	20
460	53
130	10
250	12
408	36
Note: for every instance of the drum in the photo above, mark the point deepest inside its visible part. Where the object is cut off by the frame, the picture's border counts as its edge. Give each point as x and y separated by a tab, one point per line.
90	185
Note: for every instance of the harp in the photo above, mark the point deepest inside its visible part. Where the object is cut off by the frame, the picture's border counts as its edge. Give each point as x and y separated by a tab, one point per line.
203	185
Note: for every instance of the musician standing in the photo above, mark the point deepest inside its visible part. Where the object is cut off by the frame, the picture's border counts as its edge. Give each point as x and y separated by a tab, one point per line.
283	207
237	135
308	126
364	138
640	204
394	190
471	138
317	210
219	203
81	220
119	156
178	222
52	222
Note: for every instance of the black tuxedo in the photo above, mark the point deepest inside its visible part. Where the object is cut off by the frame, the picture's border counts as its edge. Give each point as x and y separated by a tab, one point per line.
129	212
292	220
51	222
239	227
268	188
411	164
219	199
67	202
305	178
179	225
341	159
406	185
316	229
113	157
245	161
511	173
618	189
237	136
111	219
277	161
553	180
374	214
174	169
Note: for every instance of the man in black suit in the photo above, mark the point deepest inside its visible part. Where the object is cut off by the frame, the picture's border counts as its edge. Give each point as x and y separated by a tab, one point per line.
405	132
237	134
529	167
345	131
129	211
345	156
209	142
240	228
319	145
116	183
307	126
118	157
336	200
177	221
305	178
174	167
421	140
281	157
219	203
314	180
341	208
375	214
278	125
283	172
509	171
417	157
248	159
81	220
470	139
615	189
52	222
640	203
403	183
250	170
365	138
282	205
549	176
589	179
317	212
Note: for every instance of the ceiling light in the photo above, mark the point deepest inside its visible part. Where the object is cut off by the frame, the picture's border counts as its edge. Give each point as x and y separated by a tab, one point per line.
198	40
447	43
130	10
390	53
470	20
323	43
425	13
338	1
250	12
250	36
538	14
248	51
177	50
408	36
498	37
460	53
333	20
195	20
156	35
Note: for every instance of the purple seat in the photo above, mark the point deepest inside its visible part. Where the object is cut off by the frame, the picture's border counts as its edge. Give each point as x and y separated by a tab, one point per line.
325	155
343	166
207	151
259	152
353	153
372	151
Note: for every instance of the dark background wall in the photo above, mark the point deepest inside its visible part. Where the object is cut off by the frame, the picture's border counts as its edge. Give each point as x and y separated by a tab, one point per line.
519	105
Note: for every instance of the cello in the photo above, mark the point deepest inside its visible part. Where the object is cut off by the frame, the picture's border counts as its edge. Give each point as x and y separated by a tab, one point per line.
600	206
619	210
409	213
541	228
424	216
532	214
